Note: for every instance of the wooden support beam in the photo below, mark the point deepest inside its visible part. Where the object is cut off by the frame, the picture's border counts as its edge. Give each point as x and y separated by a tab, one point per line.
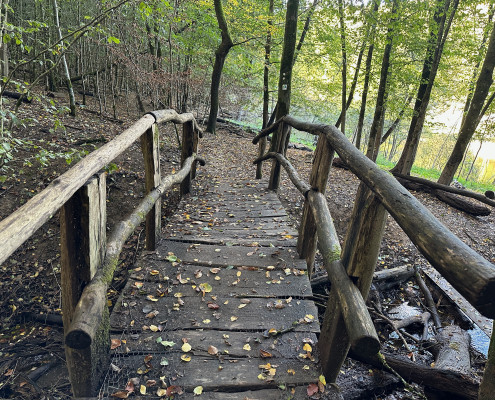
360	255
307	239
186	152
83	240
150	146
360	330
278	146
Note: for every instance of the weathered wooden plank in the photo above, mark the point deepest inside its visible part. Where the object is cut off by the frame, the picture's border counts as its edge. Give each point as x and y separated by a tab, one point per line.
238	282
222	373
285	345
239	214
221	238
204	254
181	222
298	393
196	312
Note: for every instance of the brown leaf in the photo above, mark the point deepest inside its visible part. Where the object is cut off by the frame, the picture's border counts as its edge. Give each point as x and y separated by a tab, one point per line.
115	343
121	394
174	390
312	389
213	306
265	354
212	350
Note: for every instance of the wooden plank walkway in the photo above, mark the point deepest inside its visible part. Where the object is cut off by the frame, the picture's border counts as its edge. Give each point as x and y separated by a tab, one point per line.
224	303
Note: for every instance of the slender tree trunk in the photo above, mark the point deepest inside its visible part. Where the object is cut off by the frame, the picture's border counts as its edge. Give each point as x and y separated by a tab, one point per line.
367	74
280	137
4	71
397	120
266	92
475	158
220	56
344	67
72	98
381	100
472	82
474	114
438	35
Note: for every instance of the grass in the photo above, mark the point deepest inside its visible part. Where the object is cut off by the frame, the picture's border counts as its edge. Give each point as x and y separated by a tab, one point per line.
434	174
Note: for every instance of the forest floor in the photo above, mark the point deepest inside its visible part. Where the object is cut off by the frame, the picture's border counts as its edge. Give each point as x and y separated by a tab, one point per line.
31	350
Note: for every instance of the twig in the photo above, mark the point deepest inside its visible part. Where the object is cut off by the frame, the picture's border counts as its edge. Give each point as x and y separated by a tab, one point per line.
430	304
391	323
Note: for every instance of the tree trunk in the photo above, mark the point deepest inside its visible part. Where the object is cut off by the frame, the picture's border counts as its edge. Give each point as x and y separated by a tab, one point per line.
266	92
280	137
438	34
487	387
367	75
72	99
344	67
397	120
379	116
220	56
474	114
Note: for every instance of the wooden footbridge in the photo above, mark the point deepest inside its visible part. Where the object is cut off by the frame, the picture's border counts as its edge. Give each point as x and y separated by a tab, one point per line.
220	305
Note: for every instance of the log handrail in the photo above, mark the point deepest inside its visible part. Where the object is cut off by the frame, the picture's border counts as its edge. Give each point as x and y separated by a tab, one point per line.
21	224
359	326
89	310
467	271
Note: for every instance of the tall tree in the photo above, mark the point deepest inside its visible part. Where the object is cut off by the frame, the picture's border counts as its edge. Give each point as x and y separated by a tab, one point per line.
367	74
280	139
220	55
344	67
439	29
381	100
72	98
266	82
476	110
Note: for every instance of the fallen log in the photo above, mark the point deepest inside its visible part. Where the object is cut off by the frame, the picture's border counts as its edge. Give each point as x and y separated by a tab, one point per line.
15	95
452	382
426	185
461	204
452	348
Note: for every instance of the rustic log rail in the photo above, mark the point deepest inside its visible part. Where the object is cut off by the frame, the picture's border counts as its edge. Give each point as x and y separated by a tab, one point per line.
467	271
88	261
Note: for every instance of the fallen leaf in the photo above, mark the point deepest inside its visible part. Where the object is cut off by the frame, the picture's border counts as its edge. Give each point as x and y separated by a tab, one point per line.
214	270
121	394
212	350
213	306
142	389
241	305
265	354
185	357
174	390
186	347
198	390
115	343
312	389
247	347
291	371
307	347
233	318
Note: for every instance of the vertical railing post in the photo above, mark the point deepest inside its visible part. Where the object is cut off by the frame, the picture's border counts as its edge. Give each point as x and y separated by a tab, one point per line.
195	150
187	151
278	145
150	146
82	249
307	239
359	256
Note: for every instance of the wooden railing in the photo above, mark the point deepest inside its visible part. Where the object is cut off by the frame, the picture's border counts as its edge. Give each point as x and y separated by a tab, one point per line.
88	260
346	318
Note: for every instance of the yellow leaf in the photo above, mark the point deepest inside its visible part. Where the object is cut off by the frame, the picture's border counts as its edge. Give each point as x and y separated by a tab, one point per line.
242	305
154	272
239	273
272	371
233	318
186	347
206	321
150	297
153	328
307	347
247	347
161	392
142	389
178	294
306	367
261	377
198	390
217	278
323	380
186	358
291	371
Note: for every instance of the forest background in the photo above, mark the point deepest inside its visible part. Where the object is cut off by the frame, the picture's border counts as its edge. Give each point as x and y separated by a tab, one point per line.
160	54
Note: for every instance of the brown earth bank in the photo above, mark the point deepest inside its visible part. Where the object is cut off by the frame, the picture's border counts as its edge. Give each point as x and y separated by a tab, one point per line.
31	350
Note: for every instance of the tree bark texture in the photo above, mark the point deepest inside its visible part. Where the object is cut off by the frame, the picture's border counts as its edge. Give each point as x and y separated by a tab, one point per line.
280	137
220	56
